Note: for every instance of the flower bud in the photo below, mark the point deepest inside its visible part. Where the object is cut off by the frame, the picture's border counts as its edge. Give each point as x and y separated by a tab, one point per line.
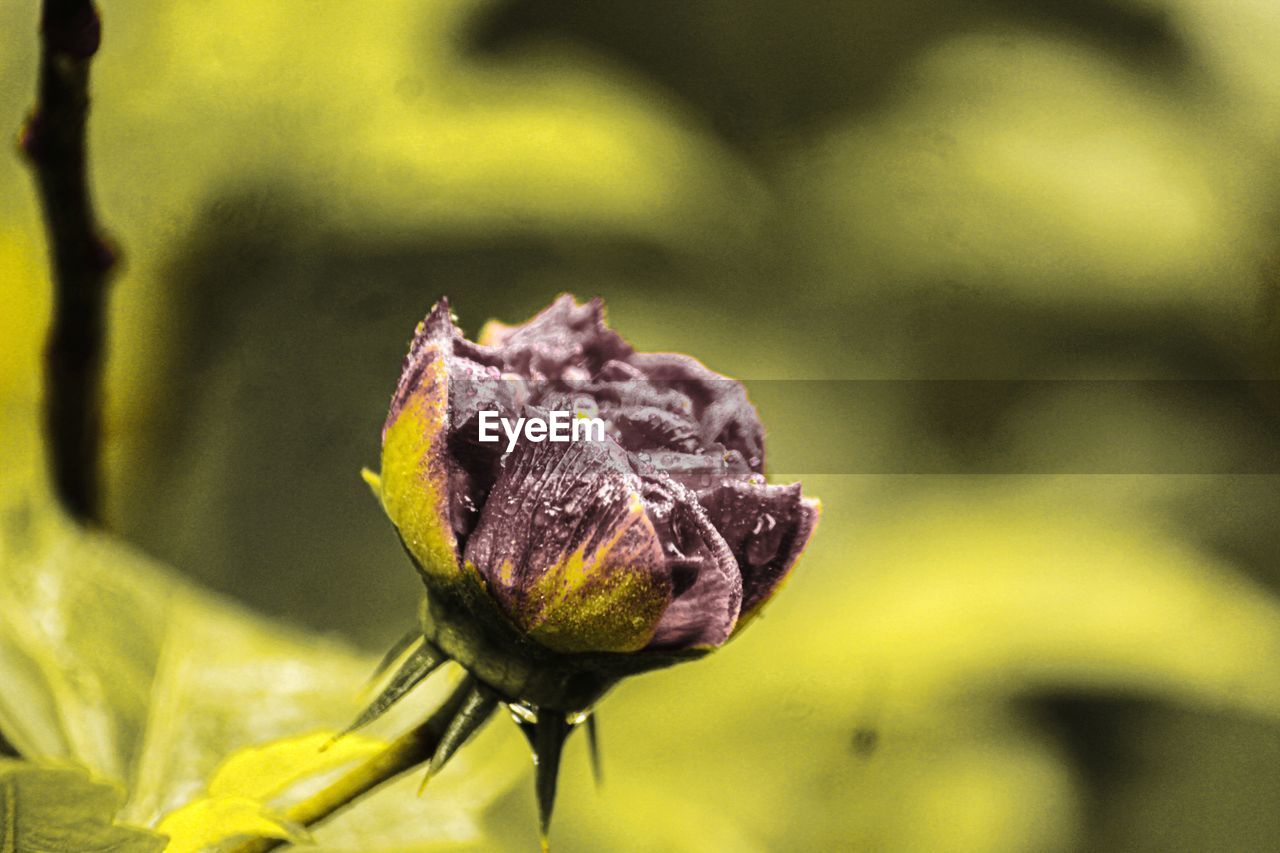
557	561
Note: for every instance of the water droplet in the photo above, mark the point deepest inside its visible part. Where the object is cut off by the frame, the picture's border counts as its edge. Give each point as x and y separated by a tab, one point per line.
523	713
765	523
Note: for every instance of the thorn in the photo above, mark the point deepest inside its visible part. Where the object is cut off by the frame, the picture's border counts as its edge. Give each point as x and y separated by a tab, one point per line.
411	638
593	749
423	661
475	712
422	786
546	737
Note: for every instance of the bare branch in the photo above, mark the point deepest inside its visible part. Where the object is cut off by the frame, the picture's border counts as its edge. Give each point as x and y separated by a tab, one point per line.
81	256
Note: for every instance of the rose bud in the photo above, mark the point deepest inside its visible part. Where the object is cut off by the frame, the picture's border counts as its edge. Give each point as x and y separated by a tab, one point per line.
556	566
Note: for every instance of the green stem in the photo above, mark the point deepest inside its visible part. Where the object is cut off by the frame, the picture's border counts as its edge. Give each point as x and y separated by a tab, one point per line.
408	751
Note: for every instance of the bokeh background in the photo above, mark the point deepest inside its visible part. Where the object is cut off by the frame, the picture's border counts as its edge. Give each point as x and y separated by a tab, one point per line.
922	189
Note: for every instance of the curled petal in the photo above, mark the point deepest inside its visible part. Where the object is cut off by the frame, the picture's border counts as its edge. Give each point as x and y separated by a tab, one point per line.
725	414
432	340
767	528
706	584
645	427
473	464
416	470
567	550
566	340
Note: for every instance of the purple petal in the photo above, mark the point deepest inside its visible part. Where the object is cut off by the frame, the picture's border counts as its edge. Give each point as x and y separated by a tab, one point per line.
720	404
431	340
706	584
417	480
567	550
767	528
474	465
566	340
697	471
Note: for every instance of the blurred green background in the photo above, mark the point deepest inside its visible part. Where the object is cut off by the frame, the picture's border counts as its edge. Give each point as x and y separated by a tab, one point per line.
856	190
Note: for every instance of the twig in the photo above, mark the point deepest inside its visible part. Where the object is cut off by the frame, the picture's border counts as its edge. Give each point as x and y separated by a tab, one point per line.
54	142
406	752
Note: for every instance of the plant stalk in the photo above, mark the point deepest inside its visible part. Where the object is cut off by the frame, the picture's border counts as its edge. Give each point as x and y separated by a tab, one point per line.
81	257
410	750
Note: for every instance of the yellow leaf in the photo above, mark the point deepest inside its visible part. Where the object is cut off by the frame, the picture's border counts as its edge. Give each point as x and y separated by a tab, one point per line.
263	772
211	820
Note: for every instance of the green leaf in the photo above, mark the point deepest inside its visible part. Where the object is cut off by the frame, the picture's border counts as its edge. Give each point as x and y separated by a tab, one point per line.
159	700
78	674
57	809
